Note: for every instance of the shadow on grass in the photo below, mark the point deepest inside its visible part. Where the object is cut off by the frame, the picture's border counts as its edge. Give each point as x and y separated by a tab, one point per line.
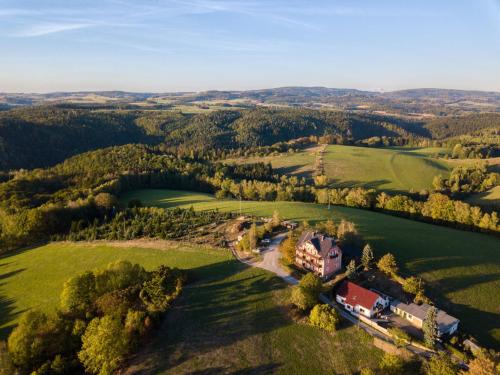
483	323
210	317
262	369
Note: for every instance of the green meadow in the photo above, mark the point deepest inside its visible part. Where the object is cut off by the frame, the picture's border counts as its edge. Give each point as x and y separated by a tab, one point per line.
230	317
462	269
396	169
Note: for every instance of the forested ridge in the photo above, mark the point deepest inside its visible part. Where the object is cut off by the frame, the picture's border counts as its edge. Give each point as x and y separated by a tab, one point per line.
34	137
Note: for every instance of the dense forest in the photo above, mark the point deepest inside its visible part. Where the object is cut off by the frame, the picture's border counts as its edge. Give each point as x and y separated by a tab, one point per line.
37	137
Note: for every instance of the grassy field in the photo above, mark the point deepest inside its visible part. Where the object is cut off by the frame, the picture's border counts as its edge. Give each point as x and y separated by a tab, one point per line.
488	198
462	268
233	318
34	278
396	169
382	168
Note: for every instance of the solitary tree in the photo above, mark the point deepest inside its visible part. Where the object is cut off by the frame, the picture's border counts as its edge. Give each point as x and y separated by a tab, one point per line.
305	295
388	264
367	257
351	270
430	327
325	317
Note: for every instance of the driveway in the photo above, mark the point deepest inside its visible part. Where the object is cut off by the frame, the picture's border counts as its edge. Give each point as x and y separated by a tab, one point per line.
271	260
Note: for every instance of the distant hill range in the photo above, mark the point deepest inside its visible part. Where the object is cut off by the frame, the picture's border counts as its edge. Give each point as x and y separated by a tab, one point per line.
414	102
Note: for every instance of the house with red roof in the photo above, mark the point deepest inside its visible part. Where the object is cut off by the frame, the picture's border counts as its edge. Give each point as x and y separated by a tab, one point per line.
359	300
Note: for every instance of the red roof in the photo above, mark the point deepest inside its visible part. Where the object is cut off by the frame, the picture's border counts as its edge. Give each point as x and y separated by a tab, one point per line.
357	295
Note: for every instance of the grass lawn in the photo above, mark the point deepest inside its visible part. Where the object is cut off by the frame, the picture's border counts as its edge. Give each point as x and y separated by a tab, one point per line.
233	318
462	268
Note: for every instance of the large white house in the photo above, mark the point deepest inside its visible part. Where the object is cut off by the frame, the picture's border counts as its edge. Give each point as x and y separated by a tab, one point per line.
359	300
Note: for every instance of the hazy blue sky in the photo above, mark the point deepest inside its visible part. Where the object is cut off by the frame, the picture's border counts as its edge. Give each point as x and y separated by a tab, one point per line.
169	45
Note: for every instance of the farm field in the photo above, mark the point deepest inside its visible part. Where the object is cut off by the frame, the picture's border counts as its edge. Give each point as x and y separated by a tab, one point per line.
396	169
233	316
462	268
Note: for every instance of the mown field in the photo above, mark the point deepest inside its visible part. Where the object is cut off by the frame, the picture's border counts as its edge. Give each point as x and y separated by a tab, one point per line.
396	169
231	318
462	268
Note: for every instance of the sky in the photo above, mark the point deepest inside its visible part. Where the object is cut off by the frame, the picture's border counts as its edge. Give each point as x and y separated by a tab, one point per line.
196	45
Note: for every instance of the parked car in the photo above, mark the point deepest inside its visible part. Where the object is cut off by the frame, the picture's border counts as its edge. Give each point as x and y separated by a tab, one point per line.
265	241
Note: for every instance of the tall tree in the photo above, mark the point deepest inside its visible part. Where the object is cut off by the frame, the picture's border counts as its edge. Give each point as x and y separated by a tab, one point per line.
367	257
351	269
388	264
430	327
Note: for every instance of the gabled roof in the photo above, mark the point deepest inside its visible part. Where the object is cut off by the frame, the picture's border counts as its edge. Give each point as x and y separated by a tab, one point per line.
322	243
357	295
420	311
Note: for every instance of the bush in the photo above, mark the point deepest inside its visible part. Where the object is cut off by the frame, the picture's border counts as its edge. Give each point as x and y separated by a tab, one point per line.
325	317
391	365
400	337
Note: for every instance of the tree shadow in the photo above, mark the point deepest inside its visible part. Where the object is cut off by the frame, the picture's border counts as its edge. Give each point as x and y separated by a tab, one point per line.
261	369
211	316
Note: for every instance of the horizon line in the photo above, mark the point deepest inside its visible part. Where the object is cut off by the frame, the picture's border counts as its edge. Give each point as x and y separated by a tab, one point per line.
377	91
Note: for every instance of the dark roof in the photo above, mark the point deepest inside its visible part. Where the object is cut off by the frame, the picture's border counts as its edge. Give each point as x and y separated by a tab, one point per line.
420	311
321	242
357	295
